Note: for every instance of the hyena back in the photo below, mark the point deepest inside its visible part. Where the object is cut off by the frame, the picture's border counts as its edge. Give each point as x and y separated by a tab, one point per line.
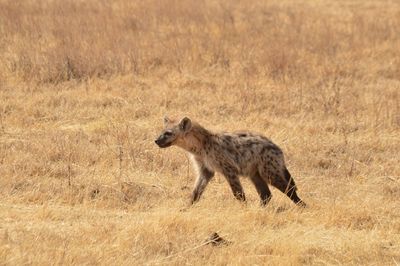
232	154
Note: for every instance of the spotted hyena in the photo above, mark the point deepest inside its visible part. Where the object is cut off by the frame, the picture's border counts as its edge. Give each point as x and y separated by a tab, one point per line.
232	154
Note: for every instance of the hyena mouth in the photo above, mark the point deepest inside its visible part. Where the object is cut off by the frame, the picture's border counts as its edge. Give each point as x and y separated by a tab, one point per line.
166	145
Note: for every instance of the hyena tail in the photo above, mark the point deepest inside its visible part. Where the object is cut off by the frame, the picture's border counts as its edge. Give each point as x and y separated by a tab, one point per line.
292	188
289	179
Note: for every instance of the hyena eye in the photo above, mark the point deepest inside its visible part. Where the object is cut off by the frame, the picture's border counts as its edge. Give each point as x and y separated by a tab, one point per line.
168	134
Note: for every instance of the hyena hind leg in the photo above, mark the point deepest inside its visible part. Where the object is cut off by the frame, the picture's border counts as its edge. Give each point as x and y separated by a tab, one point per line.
262	188
287	186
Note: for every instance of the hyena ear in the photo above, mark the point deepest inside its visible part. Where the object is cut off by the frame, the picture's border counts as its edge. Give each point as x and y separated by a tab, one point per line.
185	125
166	120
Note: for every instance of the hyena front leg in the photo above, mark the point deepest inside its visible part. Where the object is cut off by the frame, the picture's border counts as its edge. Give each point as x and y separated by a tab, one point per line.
262	188
235	185
202	180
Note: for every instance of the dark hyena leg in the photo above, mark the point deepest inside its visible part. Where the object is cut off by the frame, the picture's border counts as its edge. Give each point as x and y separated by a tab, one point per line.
202	180
285	183
236	187
262	188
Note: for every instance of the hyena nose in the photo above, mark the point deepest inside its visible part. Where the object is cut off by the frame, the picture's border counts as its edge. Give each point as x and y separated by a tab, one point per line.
156	141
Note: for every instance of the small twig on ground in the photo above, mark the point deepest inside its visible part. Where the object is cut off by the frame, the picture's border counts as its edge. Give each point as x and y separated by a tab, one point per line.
210	240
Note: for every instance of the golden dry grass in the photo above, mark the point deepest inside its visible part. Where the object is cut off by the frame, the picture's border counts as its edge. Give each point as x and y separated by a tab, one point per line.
83	88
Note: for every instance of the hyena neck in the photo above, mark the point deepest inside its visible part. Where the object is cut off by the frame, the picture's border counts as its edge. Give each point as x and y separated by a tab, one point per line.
196	140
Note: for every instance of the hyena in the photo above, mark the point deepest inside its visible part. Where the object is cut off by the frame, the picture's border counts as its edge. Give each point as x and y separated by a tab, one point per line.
232	154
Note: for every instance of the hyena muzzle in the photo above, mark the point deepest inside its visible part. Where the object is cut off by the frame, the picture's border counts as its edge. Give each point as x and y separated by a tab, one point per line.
232	154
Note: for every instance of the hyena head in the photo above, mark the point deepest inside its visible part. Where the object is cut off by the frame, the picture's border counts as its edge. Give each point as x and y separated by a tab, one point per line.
173	133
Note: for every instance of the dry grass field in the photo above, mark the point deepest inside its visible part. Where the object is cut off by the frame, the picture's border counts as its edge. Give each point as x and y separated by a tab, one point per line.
83	89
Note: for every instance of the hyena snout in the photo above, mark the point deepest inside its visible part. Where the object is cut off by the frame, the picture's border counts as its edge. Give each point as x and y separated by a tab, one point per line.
162	142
